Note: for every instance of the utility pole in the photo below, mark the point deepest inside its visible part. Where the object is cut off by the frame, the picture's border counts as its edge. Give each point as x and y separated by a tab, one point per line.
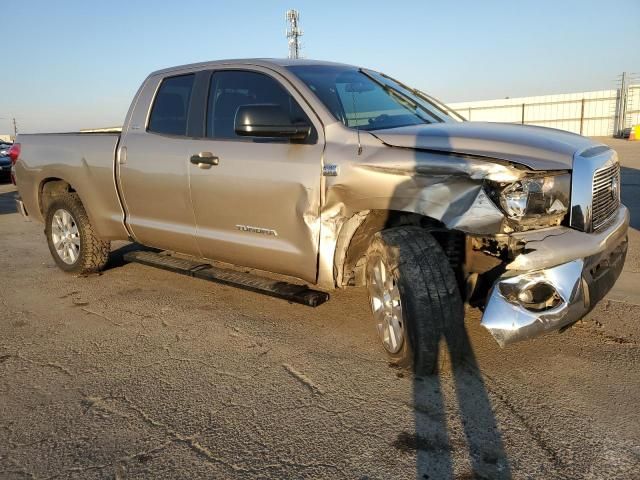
15	128
294	32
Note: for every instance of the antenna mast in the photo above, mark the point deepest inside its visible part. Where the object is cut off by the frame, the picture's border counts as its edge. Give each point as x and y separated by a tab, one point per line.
294	32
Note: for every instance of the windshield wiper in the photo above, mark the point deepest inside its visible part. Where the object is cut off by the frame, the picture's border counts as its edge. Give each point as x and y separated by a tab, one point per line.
427	98
436	103
402	96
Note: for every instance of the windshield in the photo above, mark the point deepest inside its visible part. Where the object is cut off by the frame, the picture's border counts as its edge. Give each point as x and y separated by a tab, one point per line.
368	100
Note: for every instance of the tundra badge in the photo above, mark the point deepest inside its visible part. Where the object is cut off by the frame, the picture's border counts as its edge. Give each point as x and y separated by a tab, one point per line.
264	231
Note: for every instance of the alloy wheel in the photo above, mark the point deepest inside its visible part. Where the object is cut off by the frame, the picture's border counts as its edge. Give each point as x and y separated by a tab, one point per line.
65	236
386	306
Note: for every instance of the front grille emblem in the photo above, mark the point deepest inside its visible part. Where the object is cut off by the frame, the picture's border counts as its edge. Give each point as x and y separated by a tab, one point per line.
614	188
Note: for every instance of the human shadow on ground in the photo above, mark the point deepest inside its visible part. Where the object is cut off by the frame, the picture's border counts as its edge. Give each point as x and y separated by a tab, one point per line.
460	440
456	432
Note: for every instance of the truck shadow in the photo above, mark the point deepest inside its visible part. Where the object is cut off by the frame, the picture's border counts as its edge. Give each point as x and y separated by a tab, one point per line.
7	203
630	193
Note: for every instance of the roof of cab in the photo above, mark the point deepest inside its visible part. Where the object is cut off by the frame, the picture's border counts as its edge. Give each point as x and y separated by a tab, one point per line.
278	63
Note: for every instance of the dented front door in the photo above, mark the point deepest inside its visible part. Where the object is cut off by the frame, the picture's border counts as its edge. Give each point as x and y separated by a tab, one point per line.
256	202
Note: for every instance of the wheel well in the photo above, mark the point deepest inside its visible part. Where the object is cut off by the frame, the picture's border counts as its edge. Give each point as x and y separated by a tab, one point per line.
451	241
49	189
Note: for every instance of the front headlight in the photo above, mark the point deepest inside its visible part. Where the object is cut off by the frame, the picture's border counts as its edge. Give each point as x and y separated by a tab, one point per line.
535	201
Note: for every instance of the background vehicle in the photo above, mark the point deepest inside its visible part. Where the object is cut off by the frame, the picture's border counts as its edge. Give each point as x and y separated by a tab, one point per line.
343	176
4	149
5	162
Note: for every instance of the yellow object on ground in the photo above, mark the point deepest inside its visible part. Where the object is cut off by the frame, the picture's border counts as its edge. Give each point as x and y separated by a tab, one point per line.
634	135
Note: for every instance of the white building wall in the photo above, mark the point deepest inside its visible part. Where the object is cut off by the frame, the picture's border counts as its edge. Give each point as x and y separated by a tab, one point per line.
564	111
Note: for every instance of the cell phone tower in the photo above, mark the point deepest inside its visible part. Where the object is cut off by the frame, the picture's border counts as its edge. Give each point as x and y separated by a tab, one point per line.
294	32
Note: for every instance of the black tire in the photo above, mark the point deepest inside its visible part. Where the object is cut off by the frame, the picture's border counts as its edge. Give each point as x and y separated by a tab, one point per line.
432	307
93	252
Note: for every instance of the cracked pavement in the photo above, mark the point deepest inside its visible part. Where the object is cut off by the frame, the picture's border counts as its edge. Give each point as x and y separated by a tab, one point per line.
142	373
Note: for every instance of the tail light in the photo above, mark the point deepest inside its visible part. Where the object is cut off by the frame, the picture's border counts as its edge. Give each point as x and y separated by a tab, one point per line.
14	153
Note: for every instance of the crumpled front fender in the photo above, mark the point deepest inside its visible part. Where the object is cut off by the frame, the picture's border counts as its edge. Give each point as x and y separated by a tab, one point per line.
445	188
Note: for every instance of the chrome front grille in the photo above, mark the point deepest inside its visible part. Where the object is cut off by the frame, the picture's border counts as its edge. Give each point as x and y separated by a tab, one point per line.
595	188
606	195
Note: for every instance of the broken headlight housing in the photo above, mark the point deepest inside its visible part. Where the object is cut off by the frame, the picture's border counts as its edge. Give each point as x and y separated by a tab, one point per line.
534	201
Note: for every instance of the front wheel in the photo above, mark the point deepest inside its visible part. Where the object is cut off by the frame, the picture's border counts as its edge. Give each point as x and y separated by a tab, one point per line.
415	301
72	240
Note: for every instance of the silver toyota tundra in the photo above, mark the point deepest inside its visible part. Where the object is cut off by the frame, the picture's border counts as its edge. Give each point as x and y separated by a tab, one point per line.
339	176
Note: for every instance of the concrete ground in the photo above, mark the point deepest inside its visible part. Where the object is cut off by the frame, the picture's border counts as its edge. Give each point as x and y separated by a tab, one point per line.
141	373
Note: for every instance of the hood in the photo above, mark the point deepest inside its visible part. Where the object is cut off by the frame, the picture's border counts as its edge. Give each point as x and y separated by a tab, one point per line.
537	148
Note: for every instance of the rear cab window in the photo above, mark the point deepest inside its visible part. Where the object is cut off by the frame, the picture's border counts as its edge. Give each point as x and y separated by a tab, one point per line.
170	111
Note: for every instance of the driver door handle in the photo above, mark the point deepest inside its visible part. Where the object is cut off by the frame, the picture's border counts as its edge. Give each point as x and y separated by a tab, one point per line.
205	160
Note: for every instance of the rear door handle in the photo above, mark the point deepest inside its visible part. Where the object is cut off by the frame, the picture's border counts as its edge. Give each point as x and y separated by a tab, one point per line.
205	160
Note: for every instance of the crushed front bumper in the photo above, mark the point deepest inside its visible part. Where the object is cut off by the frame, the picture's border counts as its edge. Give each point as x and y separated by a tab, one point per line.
574	268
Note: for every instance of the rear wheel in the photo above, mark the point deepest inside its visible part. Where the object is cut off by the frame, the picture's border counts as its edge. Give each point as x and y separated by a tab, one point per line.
72	240
415	301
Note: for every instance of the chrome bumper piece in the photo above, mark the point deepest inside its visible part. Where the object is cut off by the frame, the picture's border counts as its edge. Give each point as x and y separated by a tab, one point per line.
580	267
21	209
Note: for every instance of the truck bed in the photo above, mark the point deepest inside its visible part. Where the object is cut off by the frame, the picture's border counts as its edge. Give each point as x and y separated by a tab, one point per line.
86	162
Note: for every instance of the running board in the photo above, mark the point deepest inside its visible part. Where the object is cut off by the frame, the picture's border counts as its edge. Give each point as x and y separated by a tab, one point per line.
274	288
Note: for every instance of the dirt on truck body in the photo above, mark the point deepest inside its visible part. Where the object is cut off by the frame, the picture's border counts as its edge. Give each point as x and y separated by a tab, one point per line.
338	176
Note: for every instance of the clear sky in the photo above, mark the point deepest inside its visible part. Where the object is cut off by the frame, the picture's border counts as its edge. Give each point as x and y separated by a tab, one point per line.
69	64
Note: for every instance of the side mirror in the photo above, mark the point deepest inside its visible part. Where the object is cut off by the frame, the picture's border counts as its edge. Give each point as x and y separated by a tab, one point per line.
268	120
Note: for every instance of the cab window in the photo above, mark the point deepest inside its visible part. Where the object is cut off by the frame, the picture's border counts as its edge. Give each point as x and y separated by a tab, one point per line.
171	106
231	89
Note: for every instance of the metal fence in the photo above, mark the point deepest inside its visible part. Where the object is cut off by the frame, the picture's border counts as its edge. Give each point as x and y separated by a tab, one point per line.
600	113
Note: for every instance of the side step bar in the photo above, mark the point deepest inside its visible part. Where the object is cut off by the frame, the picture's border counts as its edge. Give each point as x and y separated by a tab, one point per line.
274	288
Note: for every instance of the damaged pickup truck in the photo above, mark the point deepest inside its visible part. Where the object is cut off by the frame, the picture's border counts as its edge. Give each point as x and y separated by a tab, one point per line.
340	176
